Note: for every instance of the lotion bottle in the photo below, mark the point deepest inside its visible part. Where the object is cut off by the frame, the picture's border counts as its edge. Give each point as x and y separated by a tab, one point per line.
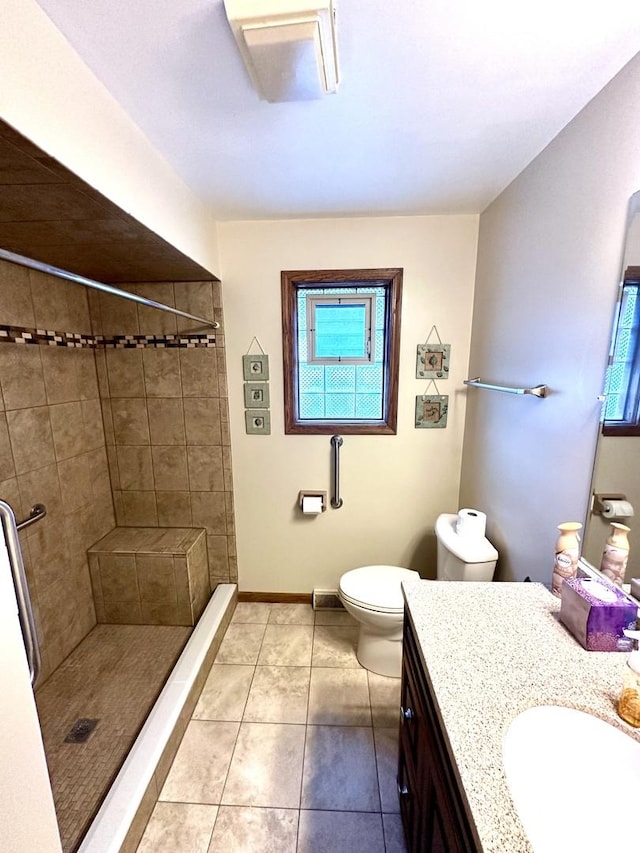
565	564
629	702
616	553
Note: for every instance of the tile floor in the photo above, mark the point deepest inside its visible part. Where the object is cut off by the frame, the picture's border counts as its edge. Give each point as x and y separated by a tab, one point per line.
292	747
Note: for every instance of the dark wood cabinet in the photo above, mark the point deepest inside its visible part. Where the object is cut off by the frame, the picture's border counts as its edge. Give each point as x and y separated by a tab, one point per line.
433	807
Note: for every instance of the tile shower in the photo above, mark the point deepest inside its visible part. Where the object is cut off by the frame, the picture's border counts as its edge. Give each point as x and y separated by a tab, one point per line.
120	418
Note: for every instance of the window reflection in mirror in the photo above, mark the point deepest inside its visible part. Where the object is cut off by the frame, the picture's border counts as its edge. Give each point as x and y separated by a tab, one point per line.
617	464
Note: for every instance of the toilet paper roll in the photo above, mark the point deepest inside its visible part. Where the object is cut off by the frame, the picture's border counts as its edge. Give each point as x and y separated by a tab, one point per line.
471	524
311	505
617	509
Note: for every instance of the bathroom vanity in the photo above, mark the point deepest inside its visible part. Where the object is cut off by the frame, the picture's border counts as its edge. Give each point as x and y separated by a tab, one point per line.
476	655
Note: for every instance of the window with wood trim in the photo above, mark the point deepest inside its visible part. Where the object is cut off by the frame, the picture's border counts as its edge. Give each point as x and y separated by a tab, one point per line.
622	387
341	350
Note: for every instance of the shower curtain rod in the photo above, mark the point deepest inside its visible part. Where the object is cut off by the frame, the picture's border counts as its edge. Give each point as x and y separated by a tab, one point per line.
98	285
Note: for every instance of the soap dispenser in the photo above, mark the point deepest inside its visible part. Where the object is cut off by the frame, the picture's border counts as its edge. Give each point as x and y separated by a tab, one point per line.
629	702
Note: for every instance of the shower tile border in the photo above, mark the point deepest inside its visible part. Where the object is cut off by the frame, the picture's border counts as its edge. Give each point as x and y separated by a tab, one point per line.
47	337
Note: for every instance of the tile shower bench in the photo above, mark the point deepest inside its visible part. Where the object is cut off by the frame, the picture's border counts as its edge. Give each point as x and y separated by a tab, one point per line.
150	575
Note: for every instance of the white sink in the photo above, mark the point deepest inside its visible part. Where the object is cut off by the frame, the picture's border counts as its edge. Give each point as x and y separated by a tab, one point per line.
574	779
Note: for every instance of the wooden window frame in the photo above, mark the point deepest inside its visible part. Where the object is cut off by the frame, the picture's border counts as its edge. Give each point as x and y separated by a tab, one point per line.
291	282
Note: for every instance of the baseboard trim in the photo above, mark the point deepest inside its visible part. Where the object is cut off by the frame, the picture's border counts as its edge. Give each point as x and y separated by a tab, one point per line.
276	597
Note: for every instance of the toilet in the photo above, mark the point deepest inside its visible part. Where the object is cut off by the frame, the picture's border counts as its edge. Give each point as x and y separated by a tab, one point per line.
373	594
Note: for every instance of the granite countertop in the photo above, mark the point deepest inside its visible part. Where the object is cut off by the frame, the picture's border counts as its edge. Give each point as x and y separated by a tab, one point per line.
491	651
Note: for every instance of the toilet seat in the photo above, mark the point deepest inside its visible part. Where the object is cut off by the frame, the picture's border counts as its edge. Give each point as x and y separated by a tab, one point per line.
376	588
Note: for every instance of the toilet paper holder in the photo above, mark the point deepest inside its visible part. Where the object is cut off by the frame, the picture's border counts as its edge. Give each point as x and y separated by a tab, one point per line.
309	493
598	506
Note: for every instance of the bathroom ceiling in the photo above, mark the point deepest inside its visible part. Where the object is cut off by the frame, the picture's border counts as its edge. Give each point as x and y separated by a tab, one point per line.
440	105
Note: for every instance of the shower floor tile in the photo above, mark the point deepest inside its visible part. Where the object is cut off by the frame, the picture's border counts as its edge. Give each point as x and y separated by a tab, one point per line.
113	676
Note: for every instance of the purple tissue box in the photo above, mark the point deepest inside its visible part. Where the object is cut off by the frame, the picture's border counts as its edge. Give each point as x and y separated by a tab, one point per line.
597	613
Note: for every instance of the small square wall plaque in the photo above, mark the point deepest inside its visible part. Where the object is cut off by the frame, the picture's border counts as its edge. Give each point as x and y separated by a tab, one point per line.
256	395
431	411
257	422
255	367
432	361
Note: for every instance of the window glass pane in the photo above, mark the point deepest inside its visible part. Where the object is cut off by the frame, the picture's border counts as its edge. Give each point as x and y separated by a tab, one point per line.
311	379
369	378
340	406
369	406
312	406
302	346
341	331
340	378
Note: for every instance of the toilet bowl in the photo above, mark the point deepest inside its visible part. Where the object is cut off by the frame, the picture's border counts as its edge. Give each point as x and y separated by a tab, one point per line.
373	596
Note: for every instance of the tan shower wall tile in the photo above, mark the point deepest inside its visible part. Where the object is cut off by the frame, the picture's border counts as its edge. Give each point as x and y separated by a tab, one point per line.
21	376
134	464
174	509
194	297
130	421
150	320
208	511
99	474
92	420
162	372
170	468
114	471
50	305
7	468
31	438
218	559
75	482
41	485
118	577
87	376
16	305
205	469
139	508
123	612
101	371
67	427
166	420
202	420
198	368
156	580
107	421
118	316
78	308
125	373
60	367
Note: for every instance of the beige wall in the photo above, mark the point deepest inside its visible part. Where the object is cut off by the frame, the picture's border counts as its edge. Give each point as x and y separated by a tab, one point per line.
393	486
549	258
52	451
50	96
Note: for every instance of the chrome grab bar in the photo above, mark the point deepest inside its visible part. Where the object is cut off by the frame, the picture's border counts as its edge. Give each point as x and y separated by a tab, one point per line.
25	610
538	391
336	444
38	511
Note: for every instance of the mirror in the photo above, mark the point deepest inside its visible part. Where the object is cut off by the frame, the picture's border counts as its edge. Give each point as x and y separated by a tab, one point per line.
616	468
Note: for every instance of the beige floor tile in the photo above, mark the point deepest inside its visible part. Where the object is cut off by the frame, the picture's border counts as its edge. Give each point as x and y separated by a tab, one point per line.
386	744
241	644
251	611
286	645
249	830
384	694
339	697
291	614
200	767
267	766
393	833
279	694
330	832
225	692
335	645
178	828
335	617
340	769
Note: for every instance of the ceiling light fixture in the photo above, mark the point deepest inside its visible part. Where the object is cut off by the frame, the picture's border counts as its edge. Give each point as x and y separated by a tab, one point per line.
288	46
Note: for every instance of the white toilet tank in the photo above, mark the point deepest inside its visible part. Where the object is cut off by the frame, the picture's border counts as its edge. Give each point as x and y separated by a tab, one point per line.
462	558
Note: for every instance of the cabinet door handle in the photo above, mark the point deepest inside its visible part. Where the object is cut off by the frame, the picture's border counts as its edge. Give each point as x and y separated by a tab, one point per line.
406	713
403	791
